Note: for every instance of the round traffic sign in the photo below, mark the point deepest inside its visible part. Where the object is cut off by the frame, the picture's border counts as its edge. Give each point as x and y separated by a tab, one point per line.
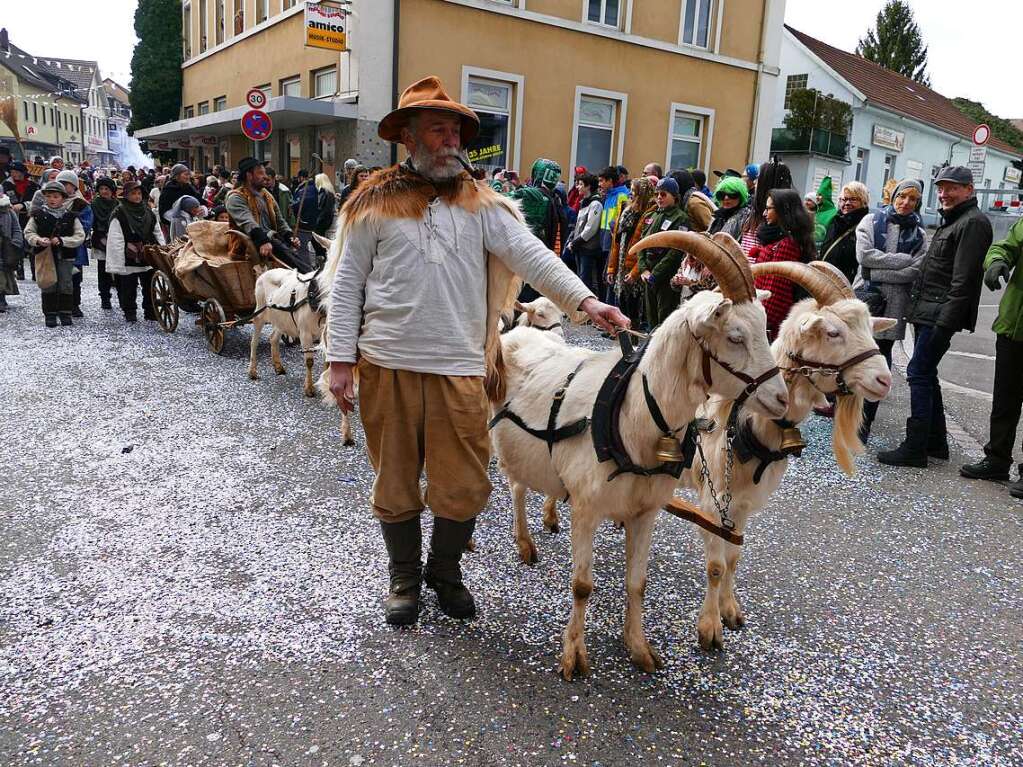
257	125
981	134
255	98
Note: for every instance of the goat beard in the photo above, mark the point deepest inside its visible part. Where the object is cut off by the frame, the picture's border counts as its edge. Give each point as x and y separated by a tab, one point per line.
442	165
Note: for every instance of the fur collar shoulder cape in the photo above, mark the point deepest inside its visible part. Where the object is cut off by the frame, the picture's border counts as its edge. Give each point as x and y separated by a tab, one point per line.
399	192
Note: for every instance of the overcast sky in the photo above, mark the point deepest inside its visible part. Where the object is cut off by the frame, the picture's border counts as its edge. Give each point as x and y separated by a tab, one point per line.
974	47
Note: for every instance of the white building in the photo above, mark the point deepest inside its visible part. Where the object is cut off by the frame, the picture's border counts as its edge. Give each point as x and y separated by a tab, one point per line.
900	128
89	87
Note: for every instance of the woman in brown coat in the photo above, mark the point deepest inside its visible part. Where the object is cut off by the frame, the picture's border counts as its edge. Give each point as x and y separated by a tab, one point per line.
622	269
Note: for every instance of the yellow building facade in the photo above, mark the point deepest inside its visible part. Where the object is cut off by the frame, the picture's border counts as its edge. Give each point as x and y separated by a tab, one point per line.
681	83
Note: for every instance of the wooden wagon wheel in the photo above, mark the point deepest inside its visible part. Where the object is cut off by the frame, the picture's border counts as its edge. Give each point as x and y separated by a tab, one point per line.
213	320
165	301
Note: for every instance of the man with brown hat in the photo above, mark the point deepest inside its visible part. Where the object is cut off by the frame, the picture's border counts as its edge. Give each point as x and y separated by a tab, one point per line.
429	262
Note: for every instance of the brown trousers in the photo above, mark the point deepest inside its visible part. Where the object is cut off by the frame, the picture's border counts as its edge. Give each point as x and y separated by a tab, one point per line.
414	421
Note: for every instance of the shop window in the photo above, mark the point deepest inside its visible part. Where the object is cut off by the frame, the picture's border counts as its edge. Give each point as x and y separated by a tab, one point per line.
291	86
794	83
595	132
220	104
605	12
686	140
492	101
324	83
696	16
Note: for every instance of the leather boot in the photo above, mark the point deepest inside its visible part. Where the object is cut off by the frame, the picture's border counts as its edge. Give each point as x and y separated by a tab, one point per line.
404	541
913	450
986	468
1016	488
937	444
443	571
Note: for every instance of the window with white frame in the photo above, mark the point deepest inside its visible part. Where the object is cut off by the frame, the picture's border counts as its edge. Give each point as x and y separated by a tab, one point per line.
889	168
186	31
203	31
794	83
492	100
595	132
219	19
606	12
324	82
696	17
238	18
220	103
189	112
291	86
861	165
204	107
686	140
262	10
287	4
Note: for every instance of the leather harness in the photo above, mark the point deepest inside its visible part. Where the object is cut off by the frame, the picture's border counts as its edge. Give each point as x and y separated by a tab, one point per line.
809	368
552	433
747	447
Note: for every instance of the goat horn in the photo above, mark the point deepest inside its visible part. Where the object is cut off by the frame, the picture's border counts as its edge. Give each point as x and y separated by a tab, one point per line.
815	283
721	254
835	276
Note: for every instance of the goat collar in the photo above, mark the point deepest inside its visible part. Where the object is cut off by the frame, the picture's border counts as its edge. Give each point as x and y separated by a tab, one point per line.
747	447
809	368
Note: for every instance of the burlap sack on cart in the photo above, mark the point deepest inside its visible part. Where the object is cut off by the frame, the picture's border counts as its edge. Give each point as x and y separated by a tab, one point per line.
214	243
46	268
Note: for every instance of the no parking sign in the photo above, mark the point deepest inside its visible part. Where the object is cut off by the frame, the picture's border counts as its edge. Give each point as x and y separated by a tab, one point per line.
257	125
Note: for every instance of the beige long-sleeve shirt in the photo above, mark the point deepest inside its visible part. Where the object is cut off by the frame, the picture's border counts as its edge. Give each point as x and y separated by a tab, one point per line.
412	295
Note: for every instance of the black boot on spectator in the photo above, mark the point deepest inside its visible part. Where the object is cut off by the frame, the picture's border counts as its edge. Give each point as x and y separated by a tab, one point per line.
937	446
913	450
986	468
1016	488
3	303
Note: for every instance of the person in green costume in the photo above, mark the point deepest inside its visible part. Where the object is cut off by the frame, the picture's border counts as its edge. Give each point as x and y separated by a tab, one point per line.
826	211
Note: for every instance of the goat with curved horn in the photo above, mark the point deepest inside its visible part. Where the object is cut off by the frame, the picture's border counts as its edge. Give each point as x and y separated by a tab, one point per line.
720	253
816	283
834	274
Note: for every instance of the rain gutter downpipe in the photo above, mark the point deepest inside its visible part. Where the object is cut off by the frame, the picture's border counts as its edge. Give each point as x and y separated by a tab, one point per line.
394	70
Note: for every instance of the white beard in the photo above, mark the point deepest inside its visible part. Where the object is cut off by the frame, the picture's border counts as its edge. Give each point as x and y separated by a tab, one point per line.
436	166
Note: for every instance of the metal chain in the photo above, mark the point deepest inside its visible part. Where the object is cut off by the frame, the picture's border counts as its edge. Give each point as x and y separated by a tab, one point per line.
724	504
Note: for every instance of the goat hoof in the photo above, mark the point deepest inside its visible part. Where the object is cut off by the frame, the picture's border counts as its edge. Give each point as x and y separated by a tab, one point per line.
574	663
280	371
527	552
646	658
348	442
710	636
253	375
310	393
734	622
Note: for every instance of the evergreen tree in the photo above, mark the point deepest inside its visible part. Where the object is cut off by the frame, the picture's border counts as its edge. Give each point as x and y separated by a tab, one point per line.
896	42
156	64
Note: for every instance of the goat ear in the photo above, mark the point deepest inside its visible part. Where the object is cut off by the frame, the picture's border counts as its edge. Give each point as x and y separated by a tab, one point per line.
325	243
707	316
519	306
723	307
813	323
880	324
763	295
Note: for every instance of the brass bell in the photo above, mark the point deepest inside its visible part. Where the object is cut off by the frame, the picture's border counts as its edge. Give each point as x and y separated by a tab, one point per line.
669	450
792	440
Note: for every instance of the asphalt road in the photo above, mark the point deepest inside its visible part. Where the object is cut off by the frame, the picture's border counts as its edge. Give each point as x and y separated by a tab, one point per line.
190	576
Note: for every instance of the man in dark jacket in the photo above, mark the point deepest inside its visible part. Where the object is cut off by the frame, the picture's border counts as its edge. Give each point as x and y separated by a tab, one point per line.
1004	262
943	301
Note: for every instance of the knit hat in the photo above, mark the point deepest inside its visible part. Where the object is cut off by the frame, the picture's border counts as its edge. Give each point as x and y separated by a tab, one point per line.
669	185
187	202
129	186
108	183
908	183
177	169
54	186
67	177
732	185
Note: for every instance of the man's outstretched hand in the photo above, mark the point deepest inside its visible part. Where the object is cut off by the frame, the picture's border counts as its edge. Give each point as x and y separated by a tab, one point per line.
604	316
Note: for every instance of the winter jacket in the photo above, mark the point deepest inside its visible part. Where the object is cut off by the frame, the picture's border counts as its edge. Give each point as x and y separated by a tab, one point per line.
172	191
947	292
586	237
782	295
839	245
178	219
729	221
544	214
622	243
326	205
614	202
893	273
81	208
24	199
1009	321
282	194
662	263
305	198
43	225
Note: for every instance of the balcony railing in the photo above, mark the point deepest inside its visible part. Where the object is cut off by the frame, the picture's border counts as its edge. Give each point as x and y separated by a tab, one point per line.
812	140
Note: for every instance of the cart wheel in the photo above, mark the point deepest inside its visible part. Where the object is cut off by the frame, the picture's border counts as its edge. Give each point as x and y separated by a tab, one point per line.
164	302
212	319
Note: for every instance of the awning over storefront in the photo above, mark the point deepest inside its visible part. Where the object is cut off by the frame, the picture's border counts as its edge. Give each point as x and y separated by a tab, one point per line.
285	112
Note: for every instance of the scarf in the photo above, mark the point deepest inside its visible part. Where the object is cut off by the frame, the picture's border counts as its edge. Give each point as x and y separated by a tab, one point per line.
139	217
769	233
911	235
723	214
843	222
102	209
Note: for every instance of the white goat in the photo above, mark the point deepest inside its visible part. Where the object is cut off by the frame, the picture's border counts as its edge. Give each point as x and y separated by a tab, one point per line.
685	360
826	344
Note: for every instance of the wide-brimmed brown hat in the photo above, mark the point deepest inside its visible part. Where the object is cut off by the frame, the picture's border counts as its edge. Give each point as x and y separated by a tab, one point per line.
427	93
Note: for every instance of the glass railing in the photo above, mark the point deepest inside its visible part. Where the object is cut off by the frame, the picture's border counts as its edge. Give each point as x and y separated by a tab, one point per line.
814	140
